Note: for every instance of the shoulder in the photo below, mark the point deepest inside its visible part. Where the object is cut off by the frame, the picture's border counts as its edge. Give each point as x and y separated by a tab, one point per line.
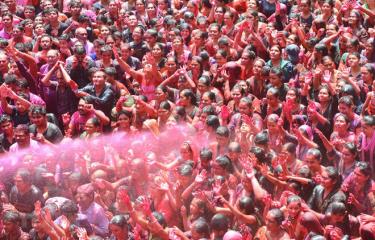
52	127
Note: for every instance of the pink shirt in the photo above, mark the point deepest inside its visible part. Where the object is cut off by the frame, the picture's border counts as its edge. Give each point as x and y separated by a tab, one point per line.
78	122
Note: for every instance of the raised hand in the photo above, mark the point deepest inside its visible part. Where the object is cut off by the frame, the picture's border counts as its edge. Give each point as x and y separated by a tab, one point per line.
65	224
146	206
124	197
38	208
82	233
65	118
201	177
47	216
225	112
200	195
327	76
164	186
217	186
115	52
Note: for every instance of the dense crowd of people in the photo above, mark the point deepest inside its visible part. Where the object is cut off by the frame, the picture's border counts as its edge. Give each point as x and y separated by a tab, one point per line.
187	119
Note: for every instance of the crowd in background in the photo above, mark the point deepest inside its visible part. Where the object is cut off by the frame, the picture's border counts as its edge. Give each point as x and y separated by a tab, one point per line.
187	119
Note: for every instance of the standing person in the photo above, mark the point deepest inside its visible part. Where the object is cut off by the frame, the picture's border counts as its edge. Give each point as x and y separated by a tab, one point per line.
23	195
328	191
75	125
100	92
119	228
23	140
93	211
42	130
273	228
367	142
12	227
64	87
7	135
358	188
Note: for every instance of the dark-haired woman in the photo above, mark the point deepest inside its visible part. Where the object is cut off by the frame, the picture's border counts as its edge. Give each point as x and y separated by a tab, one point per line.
276	60
327	192
341	133
119	228
246	116
355	23
188	100
92	128
124	120
244	212
294	214
165	116
358	187
257	83
273	228
161	94
367	80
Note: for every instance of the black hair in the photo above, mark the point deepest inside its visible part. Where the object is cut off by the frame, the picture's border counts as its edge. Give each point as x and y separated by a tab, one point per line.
127	113
278	215
261	138
223	162
219	222
80	50
260	154
223	131
290	147
10	79
347	100
189	94
165	105
120	221
316	153
210	95
12	216
209	110
246	204
185	170
5	118
364	168
338	208
23	84
69	207
206	154
213	121
201	226
36	110
352	148
25	175
95	121
369	120
294	198
334	175
111	71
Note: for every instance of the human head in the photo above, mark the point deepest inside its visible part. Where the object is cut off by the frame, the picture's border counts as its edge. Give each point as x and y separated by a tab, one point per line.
22	135
11	221
274	219
219	224
119	227
200	229
38	115
313	158
85	195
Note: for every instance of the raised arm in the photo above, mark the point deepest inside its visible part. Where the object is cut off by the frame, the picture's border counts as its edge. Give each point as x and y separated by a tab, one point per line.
46	80
73	85
124	66
7	92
